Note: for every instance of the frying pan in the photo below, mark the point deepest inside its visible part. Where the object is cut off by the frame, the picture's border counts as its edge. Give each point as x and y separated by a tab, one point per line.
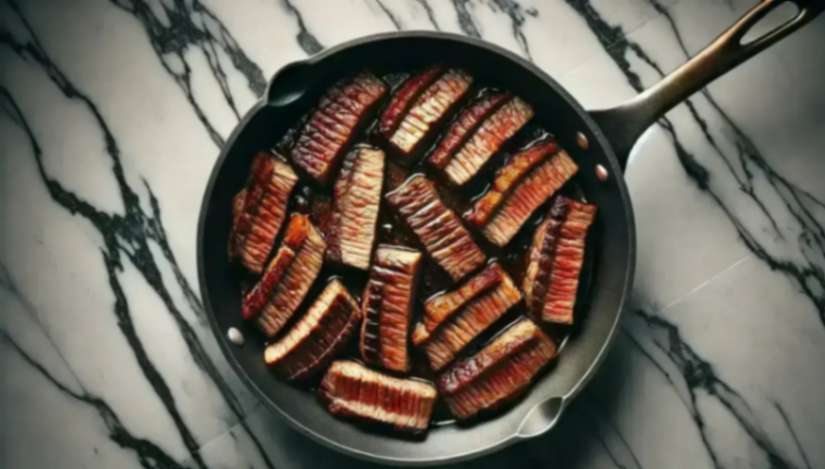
610	135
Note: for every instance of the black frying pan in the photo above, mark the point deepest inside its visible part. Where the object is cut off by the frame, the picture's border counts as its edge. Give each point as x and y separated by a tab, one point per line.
610	133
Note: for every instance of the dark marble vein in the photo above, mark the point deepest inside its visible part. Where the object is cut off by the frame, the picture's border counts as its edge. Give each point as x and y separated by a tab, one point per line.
149	454
430	13
128	234
746	167
793	434
305	39
595	408
700	379
192	25
517	19
465	18
396	22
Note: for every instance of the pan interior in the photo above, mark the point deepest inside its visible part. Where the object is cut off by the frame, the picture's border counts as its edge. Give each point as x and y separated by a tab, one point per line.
606	277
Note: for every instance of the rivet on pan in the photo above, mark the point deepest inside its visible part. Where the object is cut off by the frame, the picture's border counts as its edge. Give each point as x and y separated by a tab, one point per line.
601	173
235	336
581	141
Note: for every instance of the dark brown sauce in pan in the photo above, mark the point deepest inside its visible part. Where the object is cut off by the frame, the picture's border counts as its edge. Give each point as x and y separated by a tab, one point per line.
316	201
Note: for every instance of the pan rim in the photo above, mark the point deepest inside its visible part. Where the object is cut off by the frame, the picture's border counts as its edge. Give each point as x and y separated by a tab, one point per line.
615	169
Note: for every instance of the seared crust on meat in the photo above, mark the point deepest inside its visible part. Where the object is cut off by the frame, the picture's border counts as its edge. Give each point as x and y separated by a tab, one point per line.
555	260
387	307
259	209
333	124
352	390
318	336
498	373
437	227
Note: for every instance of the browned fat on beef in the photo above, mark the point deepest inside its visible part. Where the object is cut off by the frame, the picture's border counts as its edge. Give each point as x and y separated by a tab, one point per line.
521	186
258	211
387	307
288	277
404	97
498	373
331	127
555	259
356	199
453	319
463	127
318	336
427	111
487	140
437	227
353	390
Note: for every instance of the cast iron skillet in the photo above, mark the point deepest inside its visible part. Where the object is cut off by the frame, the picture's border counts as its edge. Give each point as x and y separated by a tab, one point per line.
611	134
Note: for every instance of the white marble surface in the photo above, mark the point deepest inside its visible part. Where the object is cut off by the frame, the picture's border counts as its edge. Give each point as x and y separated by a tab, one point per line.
113	114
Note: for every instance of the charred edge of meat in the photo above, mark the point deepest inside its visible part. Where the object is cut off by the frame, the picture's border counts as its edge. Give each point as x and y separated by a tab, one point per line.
357	198
499	372
464	126
265	200
352	390
567	223
506	179
331	127
440	308
384	335
237	210
487	140
530	194
318	336
437	227
462	328
429	110
281	296
403	99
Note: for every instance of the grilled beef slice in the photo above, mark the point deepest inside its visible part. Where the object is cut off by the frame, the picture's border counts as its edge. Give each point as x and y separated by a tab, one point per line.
259	210
520	187
352	390
555	260
288	277
453	319
404	97
437	227
357	197
487	140
463	127
333	124
498	373
318	336
387	307
429	109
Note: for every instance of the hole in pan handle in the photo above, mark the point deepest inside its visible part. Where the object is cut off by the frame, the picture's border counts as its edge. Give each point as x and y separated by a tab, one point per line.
541	418
624	124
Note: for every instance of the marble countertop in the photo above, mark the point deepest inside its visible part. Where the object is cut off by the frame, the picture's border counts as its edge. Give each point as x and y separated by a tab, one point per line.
113	114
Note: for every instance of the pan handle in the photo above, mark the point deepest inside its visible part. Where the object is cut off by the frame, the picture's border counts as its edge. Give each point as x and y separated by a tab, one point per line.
624	124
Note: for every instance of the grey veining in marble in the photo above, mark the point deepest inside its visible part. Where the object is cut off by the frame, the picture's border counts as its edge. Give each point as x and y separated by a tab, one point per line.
114	112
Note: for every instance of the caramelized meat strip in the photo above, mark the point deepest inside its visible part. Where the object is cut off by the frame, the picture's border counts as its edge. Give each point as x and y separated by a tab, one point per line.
318	336
356	199
259	213
452	320
498	373
555	260
487	140
520	198
290	274
404	97
352	390
437	227
429	110
387	307
463	127
330	128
